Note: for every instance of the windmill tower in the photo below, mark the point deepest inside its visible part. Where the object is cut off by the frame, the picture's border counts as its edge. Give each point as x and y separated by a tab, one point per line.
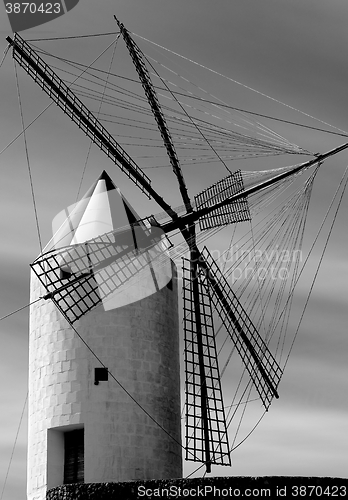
83	426
87	265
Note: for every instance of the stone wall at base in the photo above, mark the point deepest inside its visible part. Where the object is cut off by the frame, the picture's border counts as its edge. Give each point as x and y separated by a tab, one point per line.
208	487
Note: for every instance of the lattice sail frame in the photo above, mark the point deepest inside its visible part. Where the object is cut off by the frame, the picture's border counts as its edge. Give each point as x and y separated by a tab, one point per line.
72	106
237	211
218	436
252	349
99	267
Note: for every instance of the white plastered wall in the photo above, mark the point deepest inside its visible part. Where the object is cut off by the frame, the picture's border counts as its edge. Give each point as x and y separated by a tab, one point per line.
139	343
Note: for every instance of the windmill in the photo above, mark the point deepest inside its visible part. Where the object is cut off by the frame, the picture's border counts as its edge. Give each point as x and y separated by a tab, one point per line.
204	286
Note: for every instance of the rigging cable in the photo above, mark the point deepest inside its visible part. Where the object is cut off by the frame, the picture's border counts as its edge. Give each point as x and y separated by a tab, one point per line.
241	84
321	257
5	54
250	432
196	470
242	110
52	102
75	64
72	37
298	274
215	129
286	318
119	383
100	105
237	445
263	312
20	309
259	125
242	415
291	292
188	116
27	158
294	228
14	445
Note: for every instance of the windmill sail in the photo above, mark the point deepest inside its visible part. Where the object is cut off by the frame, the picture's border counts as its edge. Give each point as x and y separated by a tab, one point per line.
60	93
216	419
238	211
151	95
102	254
262	367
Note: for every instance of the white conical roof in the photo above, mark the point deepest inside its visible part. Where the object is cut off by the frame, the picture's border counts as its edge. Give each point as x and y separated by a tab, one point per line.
101	210
105	211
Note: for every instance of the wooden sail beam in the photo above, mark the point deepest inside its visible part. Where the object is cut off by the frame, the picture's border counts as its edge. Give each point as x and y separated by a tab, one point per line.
194	255
61	94
260	356
196	214
150	92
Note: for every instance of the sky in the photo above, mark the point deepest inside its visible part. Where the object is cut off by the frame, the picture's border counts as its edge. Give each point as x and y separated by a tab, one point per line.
293	51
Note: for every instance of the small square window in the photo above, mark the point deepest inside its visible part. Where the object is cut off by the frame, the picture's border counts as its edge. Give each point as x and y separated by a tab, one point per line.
100	375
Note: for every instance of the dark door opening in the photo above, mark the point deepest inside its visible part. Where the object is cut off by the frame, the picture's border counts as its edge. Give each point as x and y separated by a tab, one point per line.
74	459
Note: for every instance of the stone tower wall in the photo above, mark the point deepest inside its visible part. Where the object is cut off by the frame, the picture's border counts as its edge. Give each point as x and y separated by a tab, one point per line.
139	344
